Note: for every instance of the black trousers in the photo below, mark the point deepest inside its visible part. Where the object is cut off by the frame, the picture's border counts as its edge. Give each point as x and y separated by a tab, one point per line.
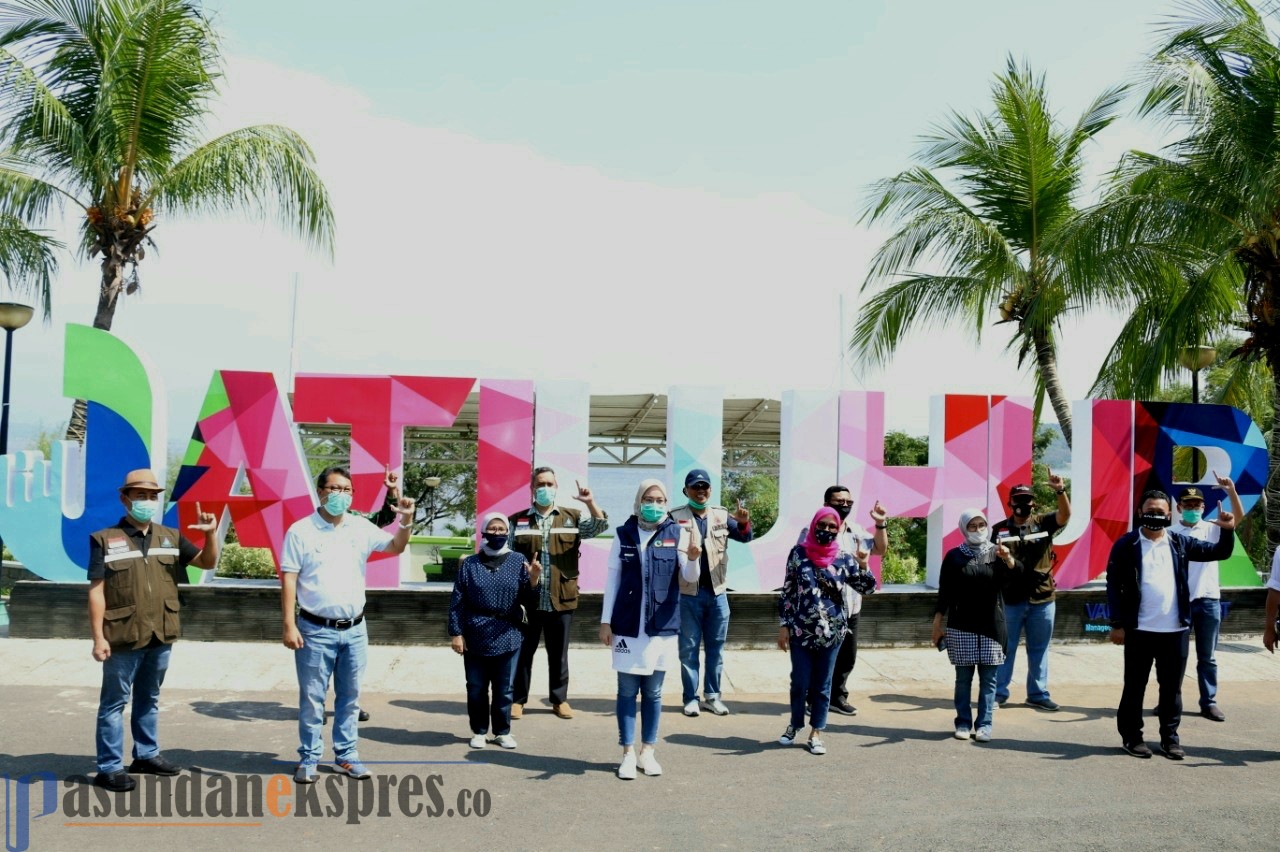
1169	653
845	660
555	627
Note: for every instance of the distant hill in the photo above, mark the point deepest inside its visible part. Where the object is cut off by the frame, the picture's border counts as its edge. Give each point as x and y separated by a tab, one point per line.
1058	454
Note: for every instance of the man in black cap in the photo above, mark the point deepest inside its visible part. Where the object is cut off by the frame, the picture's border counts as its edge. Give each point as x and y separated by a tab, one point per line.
1029	596
1205	590
704	605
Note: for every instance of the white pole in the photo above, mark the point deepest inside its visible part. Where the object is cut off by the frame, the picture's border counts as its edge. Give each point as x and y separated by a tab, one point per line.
293	335
844	350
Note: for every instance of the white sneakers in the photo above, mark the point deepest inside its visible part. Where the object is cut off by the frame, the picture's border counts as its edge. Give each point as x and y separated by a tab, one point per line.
691	708
627	769
648	762
716	706
478	741
505	740
984	734
962	733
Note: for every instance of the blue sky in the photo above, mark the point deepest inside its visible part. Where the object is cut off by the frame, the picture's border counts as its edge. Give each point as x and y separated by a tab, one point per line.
712	156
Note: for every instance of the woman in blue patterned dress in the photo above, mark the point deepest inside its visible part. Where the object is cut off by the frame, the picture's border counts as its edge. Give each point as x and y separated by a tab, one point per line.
485	614
969	588
812	622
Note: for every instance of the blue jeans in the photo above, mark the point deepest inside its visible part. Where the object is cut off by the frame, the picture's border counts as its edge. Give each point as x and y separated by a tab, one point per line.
986	695
811	670
498	671
1206	620
328	652
649	688
1038	620
704	617
140	672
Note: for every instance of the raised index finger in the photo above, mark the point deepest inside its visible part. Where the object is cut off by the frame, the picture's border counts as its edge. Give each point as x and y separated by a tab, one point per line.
198	512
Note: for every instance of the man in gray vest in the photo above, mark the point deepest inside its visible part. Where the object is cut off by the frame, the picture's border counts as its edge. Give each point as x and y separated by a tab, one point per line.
135	568
704	605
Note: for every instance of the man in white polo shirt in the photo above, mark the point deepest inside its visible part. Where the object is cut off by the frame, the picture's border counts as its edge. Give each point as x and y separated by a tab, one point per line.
322	570
1273	604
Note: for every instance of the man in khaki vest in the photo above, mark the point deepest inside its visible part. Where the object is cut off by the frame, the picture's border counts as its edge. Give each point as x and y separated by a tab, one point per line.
135	568
551	536
704	604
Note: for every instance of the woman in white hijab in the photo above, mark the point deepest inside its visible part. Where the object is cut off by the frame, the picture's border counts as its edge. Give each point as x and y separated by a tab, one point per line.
969	595
485	614
640	619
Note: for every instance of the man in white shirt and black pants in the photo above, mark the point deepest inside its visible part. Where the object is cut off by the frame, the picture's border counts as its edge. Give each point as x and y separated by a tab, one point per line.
1150	605
322	568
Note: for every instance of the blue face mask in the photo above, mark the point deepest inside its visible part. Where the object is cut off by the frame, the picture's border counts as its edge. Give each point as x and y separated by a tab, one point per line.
544	495
337	502
651	513
495	541
143	511
1192	516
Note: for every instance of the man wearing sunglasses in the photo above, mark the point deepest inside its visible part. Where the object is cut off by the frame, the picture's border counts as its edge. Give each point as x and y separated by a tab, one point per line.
704	605
1029	598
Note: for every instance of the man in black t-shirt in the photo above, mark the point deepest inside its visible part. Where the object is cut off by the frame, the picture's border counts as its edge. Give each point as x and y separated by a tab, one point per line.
1029	596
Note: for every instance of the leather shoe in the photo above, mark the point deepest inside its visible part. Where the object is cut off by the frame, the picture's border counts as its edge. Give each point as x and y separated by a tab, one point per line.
1138	749
1212	712
563	710
839	705
1173	751
154	766
517	710
118	781
363	716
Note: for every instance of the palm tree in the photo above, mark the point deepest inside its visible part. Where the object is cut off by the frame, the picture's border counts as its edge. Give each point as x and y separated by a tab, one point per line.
1212	199
105	101
995	241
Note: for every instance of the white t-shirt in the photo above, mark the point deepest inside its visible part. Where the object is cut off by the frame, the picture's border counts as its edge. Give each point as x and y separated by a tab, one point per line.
1158	609
643	654
1273	582
1202	577
330	561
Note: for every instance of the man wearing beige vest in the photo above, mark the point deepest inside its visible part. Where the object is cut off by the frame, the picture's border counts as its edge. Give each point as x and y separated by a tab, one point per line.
704	604
135	568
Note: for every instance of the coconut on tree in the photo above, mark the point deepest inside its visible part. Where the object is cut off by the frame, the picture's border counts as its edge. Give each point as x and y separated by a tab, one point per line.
102	105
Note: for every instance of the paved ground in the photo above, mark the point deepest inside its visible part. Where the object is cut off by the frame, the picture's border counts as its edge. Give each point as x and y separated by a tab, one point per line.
893	777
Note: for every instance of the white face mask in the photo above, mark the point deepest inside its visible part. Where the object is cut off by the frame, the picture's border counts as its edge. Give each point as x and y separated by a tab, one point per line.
976	536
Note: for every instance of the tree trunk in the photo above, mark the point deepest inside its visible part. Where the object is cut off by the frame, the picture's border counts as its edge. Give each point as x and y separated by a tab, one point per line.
108	294
1047	363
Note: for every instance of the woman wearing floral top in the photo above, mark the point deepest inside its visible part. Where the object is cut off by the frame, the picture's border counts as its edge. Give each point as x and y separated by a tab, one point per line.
813	622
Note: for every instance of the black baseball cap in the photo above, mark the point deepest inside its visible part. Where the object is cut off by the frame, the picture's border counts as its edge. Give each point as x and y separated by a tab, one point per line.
1021	491
697	475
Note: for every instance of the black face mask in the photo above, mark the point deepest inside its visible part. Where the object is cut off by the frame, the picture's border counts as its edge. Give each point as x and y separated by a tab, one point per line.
1153	520
842	511
1022	509
824	536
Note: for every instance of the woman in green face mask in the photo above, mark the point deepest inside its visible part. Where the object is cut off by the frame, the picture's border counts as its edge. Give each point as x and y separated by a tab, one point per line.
640	619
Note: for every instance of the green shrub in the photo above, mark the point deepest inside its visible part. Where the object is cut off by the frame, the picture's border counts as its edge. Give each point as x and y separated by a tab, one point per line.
246	563
899	569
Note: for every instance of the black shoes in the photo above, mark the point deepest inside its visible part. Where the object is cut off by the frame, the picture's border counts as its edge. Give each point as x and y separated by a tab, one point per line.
117	782
1212	712
154	766
843	707
1045	704
1138	749
364	716
1173	751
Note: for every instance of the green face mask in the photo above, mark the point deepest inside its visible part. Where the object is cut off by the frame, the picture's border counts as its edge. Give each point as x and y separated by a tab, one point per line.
694	504
651	513
544	495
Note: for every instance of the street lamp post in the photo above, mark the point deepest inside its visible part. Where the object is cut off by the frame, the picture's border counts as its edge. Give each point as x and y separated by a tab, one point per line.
13	316
432	483
1195	359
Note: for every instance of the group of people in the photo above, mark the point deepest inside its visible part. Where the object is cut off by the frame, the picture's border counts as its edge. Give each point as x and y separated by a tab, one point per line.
665	604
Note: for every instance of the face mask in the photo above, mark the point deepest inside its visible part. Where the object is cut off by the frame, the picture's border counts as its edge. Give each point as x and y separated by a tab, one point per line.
975	536
143	511
651	513
544	495
824	536
842	511
337	502
495	541
694	504
1022	509
1192	516
1154	521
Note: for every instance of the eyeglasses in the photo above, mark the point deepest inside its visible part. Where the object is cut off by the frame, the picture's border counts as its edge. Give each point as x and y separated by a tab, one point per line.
337	489
827	528
699	486
654	501
841	503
